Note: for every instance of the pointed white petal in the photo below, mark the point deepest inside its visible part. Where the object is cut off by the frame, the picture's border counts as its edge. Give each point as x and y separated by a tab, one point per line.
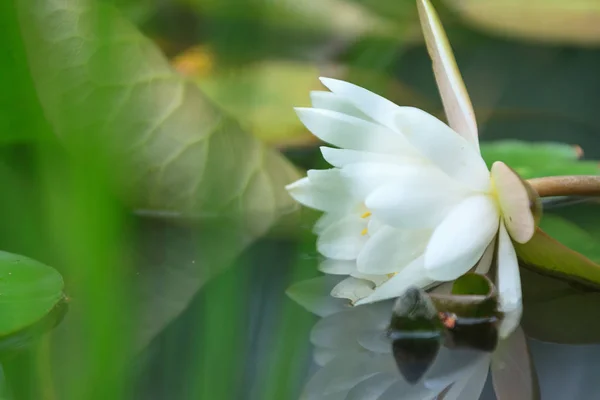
375	106
390	250
417	198
363	178
342	157
323	356
514	203
326	220
374	225
375	340
485	262
412	275
352	289
444	147
353	133
343	373
337	267
405	391
460	240
471	385
455	98
372	388
344	239
508	283
314	295
331	101
376	279
452	365
323	190
340	331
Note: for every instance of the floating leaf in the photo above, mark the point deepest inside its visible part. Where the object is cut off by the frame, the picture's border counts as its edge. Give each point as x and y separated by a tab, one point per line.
532	160
563	21
549	256
455	98
104	86
513	373
29	291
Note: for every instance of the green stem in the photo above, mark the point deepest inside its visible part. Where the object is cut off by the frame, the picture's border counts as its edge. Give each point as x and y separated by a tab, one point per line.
577	185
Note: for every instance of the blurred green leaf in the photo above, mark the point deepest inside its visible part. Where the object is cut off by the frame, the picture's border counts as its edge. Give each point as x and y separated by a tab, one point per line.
561	21
532	160
29	290
262	97
104	86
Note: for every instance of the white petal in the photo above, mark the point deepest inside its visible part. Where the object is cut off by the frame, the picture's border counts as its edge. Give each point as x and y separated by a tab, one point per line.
344	239
326	220
376	279
444	147
375	106
412	275
485	262
323	356
343	373
390	250
352	289
333	102
471	385
341	330
372	388
337	267
418	198
353	133
461	239
363	178
405	391
375	340
452	365
508	283
455	98
374	225
314	295
342	157
323	190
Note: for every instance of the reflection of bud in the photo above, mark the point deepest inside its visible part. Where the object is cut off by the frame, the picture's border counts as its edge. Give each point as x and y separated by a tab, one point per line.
416	334
420	323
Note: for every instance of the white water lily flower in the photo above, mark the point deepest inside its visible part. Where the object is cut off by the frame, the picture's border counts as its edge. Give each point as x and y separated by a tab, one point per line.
409	200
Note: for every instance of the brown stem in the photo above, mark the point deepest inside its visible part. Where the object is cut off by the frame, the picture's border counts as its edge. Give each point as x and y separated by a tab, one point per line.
577	185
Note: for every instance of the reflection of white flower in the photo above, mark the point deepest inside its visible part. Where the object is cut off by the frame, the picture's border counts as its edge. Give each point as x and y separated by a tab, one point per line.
409	201
356	363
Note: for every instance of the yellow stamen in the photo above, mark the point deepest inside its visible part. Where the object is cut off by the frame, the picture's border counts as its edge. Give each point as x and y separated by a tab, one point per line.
364	231
391	275
366	215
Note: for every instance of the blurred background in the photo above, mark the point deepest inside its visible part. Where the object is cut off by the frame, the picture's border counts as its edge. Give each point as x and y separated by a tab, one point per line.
169	299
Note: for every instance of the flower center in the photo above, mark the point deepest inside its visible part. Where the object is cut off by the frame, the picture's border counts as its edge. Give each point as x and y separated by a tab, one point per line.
364	216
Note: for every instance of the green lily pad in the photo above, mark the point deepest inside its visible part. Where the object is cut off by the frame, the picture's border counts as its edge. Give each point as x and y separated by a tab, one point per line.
532	160
29	291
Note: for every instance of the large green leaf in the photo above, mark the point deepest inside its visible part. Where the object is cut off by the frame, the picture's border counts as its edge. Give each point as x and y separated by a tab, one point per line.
105	87
29	290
